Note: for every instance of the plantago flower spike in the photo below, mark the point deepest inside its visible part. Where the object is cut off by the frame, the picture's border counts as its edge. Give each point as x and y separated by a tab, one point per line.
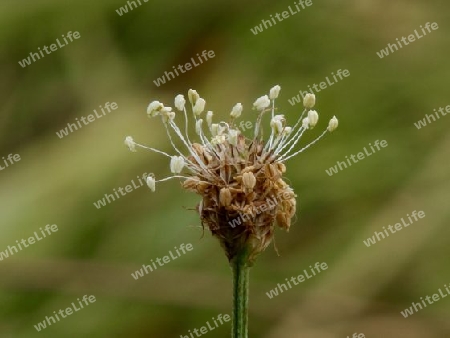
235	174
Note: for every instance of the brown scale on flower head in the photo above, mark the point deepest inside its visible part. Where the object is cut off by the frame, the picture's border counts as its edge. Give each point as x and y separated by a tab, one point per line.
239	179
241	187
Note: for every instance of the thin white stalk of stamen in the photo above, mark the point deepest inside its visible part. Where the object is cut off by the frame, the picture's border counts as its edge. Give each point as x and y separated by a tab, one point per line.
206	142
195	116
193	153
173	144
258	130
171	177
210	147
282	142
232	122
271	135
278	141
192	166
256	133
203	137
152	149
294	132
258	125
189	164
273	108
268	145
180	135
186	129
298	135
303	149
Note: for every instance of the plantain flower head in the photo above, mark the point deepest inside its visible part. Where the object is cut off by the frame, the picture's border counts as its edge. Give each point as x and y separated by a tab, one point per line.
240	178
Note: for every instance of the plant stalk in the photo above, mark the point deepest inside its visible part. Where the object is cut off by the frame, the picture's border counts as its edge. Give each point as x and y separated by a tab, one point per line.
240	268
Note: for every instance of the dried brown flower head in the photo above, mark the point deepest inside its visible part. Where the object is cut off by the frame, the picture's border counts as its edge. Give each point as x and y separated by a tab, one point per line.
240	179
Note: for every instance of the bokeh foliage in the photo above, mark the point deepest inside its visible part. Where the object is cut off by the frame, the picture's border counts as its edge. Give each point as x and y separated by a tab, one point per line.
116	59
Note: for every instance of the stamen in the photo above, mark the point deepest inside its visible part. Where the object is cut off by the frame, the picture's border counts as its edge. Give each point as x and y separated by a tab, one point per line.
298	135
152	149
186	130
303	149
294	135
171	177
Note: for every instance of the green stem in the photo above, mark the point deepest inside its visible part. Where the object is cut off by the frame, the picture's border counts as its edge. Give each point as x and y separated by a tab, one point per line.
240	268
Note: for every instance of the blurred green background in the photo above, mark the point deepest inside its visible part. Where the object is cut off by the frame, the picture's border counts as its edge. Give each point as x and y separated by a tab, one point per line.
116	60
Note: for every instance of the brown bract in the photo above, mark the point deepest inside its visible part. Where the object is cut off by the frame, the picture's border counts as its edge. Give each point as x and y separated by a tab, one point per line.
243	195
